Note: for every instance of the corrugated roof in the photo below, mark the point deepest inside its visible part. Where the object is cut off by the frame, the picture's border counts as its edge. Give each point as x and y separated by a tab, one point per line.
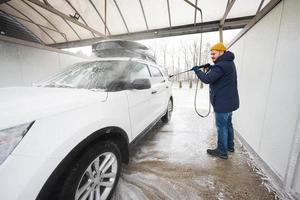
65	21
11	27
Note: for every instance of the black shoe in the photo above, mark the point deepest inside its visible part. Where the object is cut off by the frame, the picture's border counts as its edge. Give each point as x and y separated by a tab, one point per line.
216	153
231	150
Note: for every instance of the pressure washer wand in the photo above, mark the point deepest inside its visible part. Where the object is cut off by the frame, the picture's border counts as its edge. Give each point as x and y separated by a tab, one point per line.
201	66
179	73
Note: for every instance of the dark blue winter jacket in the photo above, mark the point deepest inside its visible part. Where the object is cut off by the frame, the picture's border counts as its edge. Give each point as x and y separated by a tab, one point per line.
222	80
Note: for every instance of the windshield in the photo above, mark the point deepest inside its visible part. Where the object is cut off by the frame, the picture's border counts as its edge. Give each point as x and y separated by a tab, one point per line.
96	75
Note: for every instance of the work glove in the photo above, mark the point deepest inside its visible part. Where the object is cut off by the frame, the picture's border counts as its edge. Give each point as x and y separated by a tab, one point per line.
195	68
205	66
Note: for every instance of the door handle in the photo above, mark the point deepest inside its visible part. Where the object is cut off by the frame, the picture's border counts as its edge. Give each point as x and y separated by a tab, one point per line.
154	92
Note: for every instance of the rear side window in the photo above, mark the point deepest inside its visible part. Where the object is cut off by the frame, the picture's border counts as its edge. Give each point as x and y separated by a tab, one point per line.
156	74
165	71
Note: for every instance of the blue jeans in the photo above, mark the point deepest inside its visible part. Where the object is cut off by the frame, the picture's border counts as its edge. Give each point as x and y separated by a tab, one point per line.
225	132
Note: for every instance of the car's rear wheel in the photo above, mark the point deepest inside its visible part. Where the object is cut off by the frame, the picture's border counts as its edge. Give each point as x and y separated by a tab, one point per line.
94	175
167	117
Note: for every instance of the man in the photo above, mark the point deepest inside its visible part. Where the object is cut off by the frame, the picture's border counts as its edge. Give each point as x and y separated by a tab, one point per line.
222	80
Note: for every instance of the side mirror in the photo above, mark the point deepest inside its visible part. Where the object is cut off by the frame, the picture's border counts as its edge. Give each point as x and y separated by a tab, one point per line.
141	84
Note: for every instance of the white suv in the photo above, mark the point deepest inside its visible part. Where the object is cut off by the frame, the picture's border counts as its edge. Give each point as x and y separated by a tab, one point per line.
66	137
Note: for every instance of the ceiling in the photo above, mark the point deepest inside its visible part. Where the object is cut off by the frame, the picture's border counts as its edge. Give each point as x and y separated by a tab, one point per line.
63	23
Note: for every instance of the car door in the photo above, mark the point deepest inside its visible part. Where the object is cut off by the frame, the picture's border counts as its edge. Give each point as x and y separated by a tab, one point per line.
168	86
159	91
140	108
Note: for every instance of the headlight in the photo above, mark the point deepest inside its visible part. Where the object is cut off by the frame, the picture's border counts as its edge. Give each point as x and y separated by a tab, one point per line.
10	138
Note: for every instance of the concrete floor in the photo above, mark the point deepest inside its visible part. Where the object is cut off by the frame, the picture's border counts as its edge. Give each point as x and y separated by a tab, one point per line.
171	161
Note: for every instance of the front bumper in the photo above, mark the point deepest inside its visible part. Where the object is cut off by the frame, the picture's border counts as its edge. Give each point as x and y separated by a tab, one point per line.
22	177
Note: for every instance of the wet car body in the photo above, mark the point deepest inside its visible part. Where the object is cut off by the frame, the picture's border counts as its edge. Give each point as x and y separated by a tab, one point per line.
63	125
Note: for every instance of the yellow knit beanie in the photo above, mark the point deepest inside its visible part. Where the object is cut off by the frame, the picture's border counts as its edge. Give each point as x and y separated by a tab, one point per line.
219	47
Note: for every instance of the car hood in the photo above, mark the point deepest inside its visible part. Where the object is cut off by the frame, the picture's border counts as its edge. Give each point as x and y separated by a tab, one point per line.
20	105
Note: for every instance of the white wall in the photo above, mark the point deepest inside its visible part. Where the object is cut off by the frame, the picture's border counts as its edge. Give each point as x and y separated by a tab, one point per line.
268	65
22	64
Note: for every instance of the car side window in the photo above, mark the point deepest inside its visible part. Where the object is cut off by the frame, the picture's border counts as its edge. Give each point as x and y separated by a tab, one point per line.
156	74
139	71
165	71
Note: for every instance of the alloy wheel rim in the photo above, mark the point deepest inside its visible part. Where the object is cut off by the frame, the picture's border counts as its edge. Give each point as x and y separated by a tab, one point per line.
98	179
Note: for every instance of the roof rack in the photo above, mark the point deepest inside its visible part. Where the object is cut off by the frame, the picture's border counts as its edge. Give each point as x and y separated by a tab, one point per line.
122	48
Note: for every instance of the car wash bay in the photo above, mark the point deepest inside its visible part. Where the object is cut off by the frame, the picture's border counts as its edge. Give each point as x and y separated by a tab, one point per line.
171	162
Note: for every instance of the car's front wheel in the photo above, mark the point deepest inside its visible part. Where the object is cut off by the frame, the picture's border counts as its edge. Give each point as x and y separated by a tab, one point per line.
94	175
167	117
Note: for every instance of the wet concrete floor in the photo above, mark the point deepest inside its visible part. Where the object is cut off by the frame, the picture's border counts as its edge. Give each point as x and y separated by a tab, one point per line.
171	161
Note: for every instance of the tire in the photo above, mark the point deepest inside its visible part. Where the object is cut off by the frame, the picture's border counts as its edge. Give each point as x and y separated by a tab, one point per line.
167	117
83	173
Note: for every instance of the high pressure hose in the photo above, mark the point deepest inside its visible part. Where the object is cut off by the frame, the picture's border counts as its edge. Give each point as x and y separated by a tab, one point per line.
196	91
200	66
